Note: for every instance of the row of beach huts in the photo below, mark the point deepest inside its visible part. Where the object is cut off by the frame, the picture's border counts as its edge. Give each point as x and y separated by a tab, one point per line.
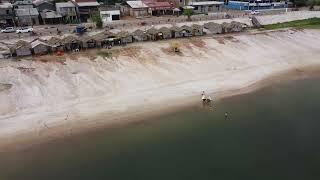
108	39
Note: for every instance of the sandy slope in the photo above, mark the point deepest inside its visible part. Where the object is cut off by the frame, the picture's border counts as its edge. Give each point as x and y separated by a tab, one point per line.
143	78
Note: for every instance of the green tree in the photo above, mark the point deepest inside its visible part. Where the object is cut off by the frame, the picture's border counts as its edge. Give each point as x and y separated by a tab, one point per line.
97	19
189	13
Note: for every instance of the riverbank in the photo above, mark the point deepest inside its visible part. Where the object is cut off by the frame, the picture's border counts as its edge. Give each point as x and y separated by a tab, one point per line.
46	100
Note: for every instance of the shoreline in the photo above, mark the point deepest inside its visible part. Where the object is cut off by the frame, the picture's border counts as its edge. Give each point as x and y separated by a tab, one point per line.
85	120
21	143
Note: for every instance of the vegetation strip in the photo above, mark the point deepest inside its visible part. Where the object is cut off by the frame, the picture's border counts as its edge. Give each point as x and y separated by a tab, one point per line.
312	23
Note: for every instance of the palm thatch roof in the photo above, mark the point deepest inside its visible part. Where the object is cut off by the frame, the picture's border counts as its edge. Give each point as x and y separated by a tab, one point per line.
54	41
184	27
20	44
103	36
123	34
152	31
196	26
70	39
164	30
174	28
87	38
138	32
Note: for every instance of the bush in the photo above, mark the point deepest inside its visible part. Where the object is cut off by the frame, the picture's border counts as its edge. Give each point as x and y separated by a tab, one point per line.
97	19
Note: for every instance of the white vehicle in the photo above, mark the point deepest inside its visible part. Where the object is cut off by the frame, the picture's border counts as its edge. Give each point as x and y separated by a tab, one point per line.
254	12
24	30
8	30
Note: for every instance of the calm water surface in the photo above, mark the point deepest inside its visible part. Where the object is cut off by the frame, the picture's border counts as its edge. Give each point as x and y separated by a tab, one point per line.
273	133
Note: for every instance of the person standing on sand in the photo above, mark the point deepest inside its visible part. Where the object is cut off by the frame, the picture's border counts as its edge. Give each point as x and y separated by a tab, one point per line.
203	96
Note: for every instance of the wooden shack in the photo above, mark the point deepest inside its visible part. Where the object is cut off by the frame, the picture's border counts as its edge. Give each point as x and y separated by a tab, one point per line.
185	31
164	33
197	30
124	37
40	48
21	48
139	35
72	43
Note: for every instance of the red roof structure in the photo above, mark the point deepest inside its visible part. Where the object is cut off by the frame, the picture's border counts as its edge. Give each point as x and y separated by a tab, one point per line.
79	1
159	5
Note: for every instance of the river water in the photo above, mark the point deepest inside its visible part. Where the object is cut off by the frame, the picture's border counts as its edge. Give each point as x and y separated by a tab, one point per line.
272	133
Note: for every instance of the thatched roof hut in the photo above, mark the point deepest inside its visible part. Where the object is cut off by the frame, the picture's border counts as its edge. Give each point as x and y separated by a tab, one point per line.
88	41
71	43
21	48
175	31
152	33
197	30
164	33
70	39
54	41
185	28
184	31
139	35
125	37
214	28
5	52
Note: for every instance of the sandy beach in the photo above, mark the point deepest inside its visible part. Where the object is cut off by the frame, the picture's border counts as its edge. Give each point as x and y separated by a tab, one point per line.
41	100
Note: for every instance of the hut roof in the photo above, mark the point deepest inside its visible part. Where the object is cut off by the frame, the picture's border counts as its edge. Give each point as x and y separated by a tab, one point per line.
38	42
152	31
86	38
54	41
138	32
21	43
103	36
174	28
164	30
185	27
210	25
196	26
70	39
123	34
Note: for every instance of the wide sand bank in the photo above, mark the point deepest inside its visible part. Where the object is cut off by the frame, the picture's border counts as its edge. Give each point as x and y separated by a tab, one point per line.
41	100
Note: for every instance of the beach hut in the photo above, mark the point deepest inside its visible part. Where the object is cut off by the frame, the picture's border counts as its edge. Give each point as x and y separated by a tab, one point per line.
175	32
21	48
88	42
98	38
55	44
152	34
164	33
185	31
139	35
124	37
71	43
110	39
197	30
40	48
106	39
5	52
214	28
